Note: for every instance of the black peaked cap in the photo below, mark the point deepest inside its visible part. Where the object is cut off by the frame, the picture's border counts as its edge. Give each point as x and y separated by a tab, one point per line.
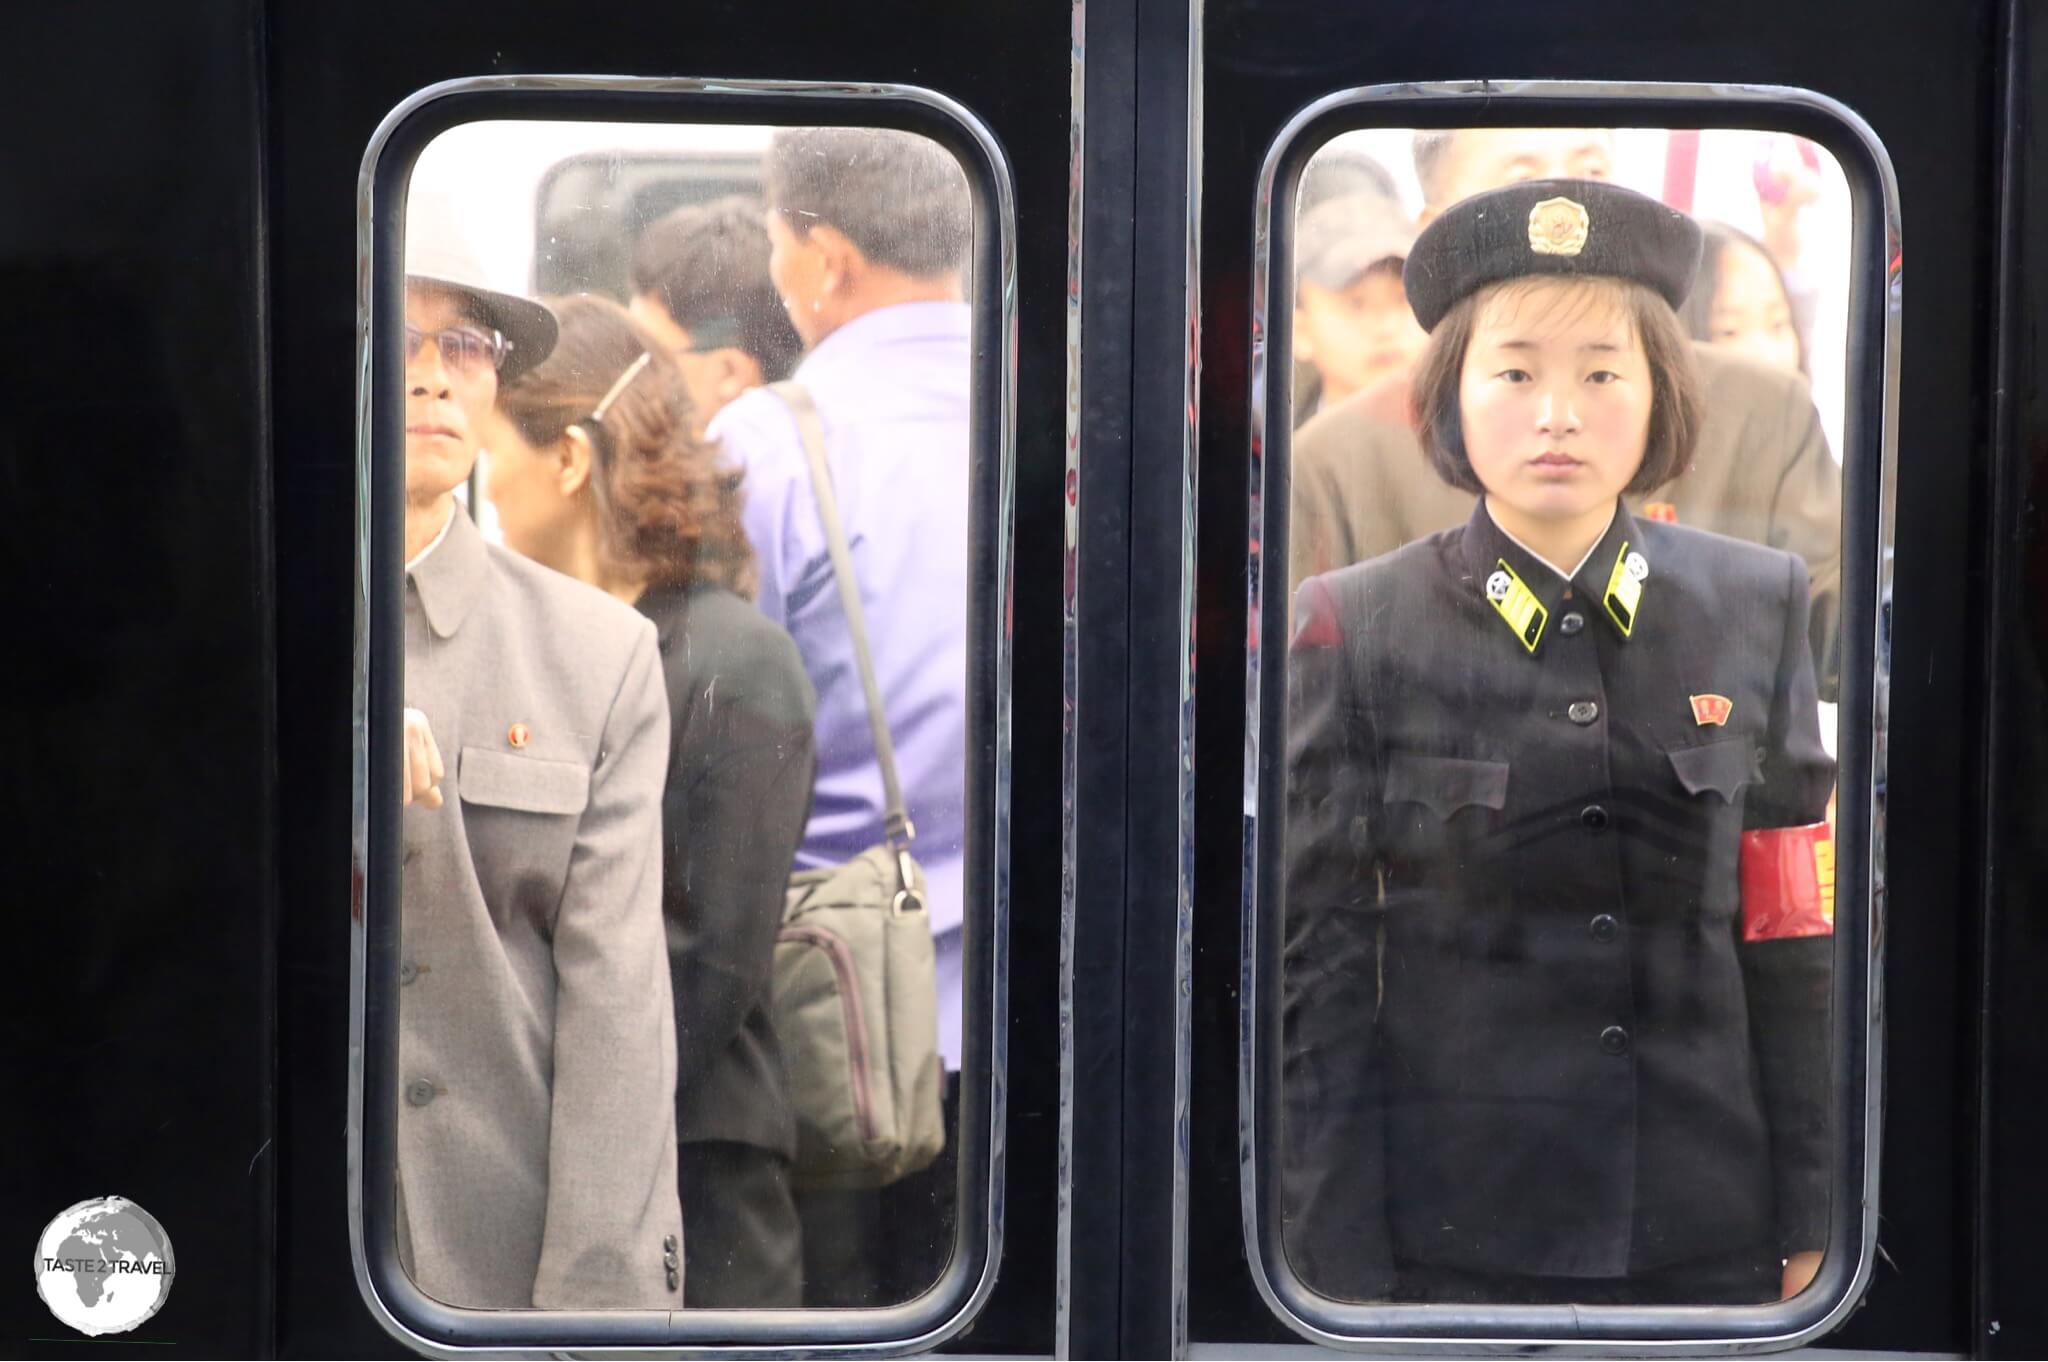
1564	227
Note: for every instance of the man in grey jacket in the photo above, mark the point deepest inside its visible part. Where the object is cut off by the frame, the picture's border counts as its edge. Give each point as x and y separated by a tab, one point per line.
537	1053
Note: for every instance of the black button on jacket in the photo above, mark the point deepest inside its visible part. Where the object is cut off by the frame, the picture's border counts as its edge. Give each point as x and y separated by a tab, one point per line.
1473	1079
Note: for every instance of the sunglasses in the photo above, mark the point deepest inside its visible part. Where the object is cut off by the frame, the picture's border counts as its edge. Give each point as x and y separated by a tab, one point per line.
464	349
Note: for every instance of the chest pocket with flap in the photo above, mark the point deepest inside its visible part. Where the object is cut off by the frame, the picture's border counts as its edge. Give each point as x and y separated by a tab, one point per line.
1445	785
522	784
1721	767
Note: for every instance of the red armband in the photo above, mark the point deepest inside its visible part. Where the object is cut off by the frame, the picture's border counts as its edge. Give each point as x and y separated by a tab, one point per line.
1788	882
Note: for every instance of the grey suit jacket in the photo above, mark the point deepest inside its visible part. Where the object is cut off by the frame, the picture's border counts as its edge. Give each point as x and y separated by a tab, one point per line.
536	1132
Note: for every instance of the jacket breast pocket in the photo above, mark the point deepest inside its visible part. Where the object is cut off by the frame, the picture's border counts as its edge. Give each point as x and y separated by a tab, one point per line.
1444	785
521	815
1718	768
524	784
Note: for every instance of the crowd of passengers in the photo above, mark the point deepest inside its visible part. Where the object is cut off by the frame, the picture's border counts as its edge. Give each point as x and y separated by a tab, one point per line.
637	717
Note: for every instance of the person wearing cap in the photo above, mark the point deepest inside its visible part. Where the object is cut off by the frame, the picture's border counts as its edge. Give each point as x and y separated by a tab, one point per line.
537	1051
1352	326
1760	469
1546	1038
701	285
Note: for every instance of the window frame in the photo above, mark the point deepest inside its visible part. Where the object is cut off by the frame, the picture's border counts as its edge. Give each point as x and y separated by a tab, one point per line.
1870	429
409	1315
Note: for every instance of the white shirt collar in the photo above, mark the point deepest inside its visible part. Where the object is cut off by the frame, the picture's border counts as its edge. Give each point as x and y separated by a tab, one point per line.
421	556
1545	561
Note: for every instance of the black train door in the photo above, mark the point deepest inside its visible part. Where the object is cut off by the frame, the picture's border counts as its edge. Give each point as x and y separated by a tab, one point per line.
1930	89
187	551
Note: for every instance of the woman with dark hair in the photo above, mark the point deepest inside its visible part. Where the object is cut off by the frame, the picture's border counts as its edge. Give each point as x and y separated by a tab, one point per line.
1546	1036
595	470
1740	301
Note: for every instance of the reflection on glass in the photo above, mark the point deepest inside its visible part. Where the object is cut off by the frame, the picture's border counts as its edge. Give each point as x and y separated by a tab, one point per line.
1557	862
680	965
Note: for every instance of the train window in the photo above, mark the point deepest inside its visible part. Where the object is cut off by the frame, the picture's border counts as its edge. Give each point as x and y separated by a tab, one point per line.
687	446
1559	1028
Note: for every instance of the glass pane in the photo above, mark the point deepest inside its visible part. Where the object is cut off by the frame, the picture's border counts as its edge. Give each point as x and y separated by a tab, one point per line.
688	474
1557	866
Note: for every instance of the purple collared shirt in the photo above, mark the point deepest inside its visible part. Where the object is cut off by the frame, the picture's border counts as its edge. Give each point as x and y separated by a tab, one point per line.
891	389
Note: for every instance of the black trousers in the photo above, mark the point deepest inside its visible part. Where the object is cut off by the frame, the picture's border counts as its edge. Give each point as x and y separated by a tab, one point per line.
1752	1276
740	1233
887	1245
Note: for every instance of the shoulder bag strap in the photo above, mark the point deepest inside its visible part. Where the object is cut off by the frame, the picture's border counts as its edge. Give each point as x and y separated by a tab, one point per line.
896	820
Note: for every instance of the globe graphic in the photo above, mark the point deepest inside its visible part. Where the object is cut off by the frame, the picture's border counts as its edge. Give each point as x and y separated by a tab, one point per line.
104	1266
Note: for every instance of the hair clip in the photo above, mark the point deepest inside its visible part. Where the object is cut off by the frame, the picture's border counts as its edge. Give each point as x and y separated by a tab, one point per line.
632	372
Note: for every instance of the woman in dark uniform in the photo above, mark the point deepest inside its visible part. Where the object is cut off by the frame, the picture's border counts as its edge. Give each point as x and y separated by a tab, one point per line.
596	471
1537	1046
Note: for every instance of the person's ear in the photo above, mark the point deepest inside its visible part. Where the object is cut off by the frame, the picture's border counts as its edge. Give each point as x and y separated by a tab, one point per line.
574	459
1304	344
737	372
842	261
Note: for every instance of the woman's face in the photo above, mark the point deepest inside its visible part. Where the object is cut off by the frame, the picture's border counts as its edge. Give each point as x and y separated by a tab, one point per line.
1555	398
525	488
1751	315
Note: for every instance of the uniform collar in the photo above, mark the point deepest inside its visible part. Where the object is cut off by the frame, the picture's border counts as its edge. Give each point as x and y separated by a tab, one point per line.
451	576
1612	583
1556	571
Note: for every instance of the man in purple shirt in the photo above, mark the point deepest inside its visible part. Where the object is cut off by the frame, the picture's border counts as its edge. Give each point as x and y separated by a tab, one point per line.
869	232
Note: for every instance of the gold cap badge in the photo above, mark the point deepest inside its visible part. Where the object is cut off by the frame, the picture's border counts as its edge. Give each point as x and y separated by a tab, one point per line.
1558	227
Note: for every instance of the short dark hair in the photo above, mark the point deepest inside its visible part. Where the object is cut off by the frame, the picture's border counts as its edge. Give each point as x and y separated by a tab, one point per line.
900	197
707	265
1676	403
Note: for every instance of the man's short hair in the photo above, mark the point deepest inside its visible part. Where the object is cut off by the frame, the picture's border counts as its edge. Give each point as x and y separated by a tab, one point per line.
1677	405
1432	151
707	265
900	197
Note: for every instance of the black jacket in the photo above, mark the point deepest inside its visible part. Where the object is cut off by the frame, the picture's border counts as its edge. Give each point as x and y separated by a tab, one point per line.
739	792
1522	1034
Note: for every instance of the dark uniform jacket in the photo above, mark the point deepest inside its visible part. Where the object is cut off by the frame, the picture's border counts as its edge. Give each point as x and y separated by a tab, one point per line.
1522	1033
1761	472
738	794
